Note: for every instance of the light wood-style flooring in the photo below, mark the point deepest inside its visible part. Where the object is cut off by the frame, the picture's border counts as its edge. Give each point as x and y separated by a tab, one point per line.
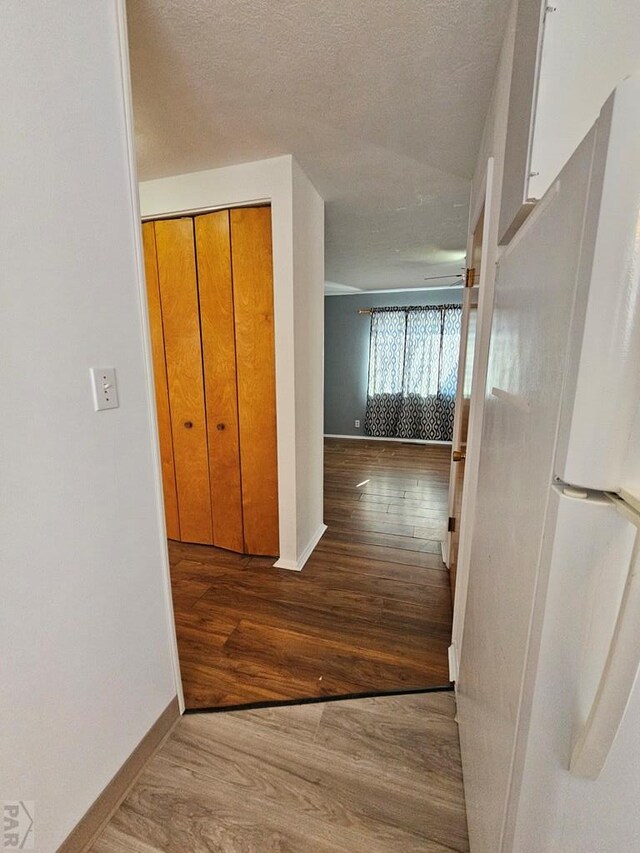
367	775
370	611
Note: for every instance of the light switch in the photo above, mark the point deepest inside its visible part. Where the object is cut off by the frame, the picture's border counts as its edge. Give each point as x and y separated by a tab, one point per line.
105	390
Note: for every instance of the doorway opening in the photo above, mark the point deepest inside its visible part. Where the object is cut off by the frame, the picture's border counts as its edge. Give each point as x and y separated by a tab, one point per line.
370	612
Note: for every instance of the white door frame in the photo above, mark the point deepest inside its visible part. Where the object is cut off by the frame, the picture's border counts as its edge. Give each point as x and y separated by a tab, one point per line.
468	305
484	201
146	349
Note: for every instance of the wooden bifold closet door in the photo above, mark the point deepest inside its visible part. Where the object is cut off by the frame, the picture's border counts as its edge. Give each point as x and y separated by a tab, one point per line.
219	355
160	382
183	352
210	294
253	304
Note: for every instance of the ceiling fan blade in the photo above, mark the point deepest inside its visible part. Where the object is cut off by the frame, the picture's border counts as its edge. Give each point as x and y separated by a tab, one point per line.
433	277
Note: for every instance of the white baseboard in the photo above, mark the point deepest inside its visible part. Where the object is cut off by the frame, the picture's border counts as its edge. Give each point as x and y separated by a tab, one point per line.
298	565
444	550
381	438
453	662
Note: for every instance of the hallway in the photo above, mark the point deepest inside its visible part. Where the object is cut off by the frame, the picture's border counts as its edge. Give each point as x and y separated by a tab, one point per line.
370	612
359	776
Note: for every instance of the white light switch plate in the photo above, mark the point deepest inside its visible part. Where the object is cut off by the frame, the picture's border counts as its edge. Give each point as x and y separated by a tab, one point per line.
105	390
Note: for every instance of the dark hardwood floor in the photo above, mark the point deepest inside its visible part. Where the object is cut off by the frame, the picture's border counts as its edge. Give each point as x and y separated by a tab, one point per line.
370	611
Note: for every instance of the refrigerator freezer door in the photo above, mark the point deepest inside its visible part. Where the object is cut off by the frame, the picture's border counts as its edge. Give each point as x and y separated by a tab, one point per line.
602	386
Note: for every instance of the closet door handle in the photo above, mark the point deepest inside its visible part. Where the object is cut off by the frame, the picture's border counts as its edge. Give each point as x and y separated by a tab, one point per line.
188	424
220	426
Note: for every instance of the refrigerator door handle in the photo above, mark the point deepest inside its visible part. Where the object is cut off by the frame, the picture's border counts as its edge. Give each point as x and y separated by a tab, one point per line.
594	739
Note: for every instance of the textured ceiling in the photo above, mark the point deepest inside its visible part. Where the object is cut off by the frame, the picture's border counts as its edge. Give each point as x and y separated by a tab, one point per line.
382	103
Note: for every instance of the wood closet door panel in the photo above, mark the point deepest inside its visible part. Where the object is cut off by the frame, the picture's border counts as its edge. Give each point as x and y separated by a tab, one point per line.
160	382
213	251
181	321
252	266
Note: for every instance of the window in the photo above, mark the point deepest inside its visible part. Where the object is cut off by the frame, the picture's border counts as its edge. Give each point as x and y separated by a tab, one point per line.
413	365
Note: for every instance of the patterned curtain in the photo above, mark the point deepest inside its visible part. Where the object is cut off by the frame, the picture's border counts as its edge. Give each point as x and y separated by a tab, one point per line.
413	366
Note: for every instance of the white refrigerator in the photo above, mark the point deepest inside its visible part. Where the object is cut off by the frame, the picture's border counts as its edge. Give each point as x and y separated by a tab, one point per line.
548	704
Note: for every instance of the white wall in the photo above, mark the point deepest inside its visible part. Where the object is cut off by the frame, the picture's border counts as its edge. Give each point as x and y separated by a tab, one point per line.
273	181
85	627
472	724
495	127
588	48
486	188
308	275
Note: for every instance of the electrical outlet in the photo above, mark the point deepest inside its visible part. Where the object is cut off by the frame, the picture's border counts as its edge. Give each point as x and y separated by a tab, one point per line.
356	423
